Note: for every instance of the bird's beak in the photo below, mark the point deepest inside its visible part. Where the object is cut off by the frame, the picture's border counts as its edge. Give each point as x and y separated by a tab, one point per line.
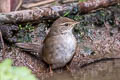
76	22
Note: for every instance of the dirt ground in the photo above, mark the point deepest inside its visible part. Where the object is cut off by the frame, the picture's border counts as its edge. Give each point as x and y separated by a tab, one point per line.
98	36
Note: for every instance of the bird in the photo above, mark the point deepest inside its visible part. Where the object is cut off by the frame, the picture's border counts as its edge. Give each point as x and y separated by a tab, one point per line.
60	44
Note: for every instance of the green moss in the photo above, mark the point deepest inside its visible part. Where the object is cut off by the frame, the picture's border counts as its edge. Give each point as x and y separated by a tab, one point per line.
24	33
82	0
9	72
28	27
67	13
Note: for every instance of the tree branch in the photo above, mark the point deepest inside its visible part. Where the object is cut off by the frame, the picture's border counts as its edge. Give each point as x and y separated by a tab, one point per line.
53	12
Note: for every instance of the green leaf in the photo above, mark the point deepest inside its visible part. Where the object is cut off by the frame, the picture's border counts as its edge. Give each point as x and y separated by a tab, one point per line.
9	72
67	13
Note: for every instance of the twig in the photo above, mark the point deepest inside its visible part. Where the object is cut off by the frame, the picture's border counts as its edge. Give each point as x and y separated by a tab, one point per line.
54	11
29	5
2	43
90	5
69	1
19	5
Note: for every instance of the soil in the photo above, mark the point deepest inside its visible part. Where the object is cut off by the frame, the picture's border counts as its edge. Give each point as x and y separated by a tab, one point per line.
98	36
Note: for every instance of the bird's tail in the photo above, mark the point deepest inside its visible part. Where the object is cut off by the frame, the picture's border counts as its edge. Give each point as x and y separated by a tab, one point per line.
31	47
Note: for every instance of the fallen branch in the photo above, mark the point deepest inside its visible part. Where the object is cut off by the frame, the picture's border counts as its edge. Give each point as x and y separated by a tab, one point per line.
1	41
27	15
67	1
53	12
19	5
30	5
34	14
2	44
90	5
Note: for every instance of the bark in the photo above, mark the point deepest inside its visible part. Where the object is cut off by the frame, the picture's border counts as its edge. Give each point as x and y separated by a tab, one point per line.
90	5
27	15
1	41
34	14
53	12
30	5
2	46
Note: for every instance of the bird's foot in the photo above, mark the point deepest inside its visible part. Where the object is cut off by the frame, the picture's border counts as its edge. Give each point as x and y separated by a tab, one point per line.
50	71
68	69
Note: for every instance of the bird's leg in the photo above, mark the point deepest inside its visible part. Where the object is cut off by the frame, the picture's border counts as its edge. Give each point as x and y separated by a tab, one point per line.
50	69
68	69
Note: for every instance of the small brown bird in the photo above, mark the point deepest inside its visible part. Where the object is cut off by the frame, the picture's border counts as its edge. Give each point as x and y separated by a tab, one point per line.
60	44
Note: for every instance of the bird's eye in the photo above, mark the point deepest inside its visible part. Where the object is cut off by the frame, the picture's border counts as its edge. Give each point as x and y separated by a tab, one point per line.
66	24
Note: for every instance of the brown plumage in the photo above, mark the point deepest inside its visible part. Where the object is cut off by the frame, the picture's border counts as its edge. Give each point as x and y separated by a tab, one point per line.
59	45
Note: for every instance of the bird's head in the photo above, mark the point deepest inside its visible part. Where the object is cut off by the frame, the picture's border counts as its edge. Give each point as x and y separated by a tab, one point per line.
64	24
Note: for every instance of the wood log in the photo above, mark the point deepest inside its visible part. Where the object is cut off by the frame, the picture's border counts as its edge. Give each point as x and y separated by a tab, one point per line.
53	12
90	5
27	15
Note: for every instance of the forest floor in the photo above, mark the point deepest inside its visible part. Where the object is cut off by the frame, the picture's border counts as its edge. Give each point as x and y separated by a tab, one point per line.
98	36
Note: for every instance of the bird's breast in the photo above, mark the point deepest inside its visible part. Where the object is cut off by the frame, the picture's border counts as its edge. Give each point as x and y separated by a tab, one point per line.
59	49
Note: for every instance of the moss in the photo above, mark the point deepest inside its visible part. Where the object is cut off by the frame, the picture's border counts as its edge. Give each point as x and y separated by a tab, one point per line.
95	19
24	33
28	27
82	0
